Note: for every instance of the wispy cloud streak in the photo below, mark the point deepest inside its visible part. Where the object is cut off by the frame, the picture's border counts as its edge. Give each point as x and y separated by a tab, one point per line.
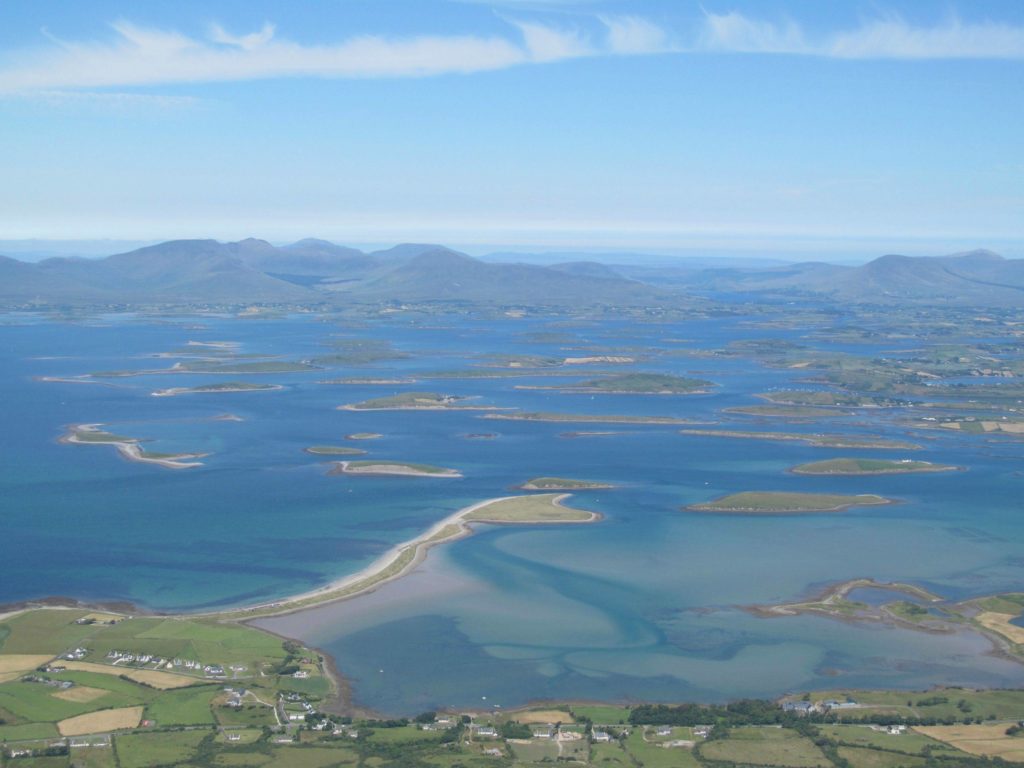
138	56
890	37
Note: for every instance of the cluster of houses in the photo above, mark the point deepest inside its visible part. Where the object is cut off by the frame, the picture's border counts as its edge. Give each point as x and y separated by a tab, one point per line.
809	707
295	708
61	684
76	654
234	697
117	656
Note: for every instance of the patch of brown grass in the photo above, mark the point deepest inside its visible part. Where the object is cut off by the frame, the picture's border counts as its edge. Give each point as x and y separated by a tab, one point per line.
101	722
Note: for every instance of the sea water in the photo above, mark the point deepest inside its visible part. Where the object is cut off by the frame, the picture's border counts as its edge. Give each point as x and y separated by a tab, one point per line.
645	605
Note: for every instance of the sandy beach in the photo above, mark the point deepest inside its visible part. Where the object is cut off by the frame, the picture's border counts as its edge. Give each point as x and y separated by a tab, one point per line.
393	564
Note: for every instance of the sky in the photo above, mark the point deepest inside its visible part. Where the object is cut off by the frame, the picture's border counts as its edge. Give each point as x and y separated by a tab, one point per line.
664	126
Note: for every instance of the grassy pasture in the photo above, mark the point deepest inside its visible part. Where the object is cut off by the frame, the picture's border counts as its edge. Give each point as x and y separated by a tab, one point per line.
188	706
147	750
766	746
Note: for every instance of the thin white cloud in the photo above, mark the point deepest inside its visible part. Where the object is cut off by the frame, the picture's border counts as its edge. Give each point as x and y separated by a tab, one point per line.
111	100
545	43
140	56
734	32
246	42
633	35
888	38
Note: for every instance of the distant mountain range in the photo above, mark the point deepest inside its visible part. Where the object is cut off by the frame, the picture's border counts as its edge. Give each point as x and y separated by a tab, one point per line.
319	272
308	272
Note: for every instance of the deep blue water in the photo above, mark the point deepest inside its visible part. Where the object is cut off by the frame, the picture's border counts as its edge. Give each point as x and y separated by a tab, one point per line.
643	605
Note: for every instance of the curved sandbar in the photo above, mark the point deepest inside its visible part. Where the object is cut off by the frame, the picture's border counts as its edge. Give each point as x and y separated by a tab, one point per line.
382	467
206	389
869	467
786	503
547	509
128	447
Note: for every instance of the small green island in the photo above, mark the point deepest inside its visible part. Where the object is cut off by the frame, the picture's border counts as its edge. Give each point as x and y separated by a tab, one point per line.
414	401
786	503
586	418
129	448
334	450
826	398
385	467
869	467
816	440
635	384
787	411
561	484
226	386
541	508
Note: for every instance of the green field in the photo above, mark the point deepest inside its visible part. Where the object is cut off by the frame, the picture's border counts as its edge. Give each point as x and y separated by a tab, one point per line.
602	714
147	750
766	746
785	502
873	758
868	467
650	755
185	706
862	736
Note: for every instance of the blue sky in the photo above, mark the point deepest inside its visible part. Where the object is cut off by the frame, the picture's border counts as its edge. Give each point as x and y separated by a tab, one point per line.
666	126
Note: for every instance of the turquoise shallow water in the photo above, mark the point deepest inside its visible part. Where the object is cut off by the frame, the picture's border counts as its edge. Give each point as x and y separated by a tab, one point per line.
642	605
